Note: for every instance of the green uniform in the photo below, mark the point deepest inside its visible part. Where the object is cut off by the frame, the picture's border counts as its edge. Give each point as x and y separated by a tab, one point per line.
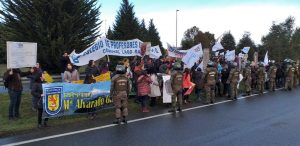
233	80
120	88
289	79
272	77
176	84
261	79
297	75
210	78
247	79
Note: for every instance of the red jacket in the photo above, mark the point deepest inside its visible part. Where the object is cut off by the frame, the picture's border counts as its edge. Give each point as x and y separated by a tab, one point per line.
186	80
143	84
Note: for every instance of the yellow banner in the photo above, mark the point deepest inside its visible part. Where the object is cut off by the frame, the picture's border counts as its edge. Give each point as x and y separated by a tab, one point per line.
100	78
47	77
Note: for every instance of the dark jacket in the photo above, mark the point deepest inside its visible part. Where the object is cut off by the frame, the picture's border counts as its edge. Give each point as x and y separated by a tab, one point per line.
63	63
89	73
14	80
197	79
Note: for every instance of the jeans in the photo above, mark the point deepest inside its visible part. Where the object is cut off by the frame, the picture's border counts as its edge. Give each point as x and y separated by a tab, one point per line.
198	92
15	101
34	102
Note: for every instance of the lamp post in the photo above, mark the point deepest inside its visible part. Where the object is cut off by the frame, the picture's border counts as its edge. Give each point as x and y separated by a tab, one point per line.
176	27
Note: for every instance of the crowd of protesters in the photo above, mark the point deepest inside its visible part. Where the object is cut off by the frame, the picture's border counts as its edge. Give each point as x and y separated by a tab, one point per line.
146	84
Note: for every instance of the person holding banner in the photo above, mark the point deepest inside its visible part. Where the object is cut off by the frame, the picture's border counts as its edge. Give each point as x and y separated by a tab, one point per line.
176	84
15	88
37	92
119	91
71	74
210	78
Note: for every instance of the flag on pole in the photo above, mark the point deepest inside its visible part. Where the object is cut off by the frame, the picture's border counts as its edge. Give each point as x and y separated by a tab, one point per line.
217	47
246	50
193	55
266	60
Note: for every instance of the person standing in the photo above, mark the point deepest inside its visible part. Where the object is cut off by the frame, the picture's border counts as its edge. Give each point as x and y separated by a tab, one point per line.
15	88
224	77
233	79
272	75
210	78
186	84
247	78
197	79
297	73
71	74
176	84
143	84
261	78
119	90
91	71
63	64
154	86
290	73
37	92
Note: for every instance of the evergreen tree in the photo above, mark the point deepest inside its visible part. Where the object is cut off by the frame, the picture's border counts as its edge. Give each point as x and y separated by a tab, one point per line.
143	32
56	25
228	41
153	35
246	41
126	26
109	34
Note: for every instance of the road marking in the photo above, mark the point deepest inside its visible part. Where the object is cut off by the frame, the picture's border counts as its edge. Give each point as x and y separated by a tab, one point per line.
131	121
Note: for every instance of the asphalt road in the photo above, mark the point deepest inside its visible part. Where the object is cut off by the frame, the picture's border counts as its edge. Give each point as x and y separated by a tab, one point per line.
269	119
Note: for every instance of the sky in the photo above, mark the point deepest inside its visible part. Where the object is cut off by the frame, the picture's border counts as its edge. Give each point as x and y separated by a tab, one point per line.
215	16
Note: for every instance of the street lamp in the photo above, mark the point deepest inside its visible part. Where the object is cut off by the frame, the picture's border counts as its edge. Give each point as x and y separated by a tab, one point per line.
176	27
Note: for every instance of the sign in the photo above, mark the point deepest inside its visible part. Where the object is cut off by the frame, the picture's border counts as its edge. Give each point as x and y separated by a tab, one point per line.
21	54
192	56
61	99
154	52
145	48
104	47
167	89
173	52
266	59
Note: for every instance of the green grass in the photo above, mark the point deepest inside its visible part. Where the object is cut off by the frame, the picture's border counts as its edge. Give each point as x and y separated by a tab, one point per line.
28	120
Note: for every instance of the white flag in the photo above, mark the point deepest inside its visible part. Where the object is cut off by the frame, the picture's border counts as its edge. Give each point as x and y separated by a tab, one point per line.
217	47
193	55
246	50
154	52
266	60
230	55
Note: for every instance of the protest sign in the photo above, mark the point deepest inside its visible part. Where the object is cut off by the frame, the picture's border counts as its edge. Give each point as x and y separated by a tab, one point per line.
167	89
266	59
21	54
104	47
174	52
145	48
218	46
246	50
192	56
154	52
62	99
230	55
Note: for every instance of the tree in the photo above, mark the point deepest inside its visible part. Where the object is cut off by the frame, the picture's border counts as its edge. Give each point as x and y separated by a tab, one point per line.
277	41
246	41
295	45
2	44
228	41
56	26
126	26
194	36
153	35
109	34
143	32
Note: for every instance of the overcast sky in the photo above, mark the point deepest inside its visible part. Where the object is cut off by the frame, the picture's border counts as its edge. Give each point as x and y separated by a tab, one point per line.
215	16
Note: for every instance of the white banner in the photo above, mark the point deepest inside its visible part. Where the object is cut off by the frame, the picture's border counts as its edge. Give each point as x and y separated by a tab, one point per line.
193	55
21	54
241	55
104	47
167	89
266	60
154	52
230	55
173	52
246	50
217	46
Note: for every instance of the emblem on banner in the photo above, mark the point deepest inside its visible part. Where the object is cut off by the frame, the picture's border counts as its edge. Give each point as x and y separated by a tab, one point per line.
53	100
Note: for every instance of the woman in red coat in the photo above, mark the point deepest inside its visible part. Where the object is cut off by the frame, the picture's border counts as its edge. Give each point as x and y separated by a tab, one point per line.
186	84
143	84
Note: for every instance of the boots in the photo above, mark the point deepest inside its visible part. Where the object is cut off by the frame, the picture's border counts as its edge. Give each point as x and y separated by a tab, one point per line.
117	121
124	120
145	110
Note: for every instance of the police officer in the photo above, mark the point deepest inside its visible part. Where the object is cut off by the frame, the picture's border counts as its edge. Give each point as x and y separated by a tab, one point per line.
210	78
297	73
233	79
272	75
247	78
261	77
176	84
290	73
119	91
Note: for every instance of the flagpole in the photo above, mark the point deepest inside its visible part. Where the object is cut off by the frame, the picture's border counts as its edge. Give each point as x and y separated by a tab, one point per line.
176	27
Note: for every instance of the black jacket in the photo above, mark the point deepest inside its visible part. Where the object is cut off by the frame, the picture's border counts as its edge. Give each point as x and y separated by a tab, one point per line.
36	92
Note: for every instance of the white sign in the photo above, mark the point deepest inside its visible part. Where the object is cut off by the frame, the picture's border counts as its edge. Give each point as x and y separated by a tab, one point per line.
241	55
167	89
266	60
246	50
21	54
173	52
154	52
193	55
104	47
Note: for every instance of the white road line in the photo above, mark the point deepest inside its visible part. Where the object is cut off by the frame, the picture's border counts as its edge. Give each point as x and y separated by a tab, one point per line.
112	125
